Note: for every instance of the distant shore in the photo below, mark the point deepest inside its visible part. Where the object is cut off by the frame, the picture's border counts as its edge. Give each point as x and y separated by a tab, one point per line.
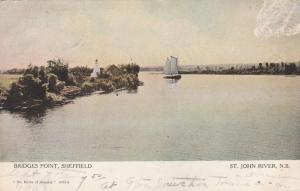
289	68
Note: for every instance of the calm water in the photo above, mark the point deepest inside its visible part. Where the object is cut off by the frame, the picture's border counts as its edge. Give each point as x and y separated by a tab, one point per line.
201	117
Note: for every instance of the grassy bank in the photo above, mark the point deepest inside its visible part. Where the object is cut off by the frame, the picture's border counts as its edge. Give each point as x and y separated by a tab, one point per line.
7	79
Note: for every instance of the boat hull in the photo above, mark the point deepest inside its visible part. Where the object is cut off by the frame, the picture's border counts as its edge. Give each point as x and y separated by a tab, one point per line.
177	76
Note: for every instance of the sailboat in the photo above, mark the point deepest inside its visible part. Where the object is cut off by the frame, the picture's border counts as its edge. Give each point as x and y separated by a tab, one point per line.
171	68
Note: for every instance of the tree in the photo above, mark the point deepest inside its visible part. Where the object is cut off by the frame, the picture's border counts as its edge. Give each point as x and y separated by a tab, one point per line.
267	65
59	68
52	82
15	95
260	66
43	75
81	71
78	74
32	88
290	68
131	68
33	70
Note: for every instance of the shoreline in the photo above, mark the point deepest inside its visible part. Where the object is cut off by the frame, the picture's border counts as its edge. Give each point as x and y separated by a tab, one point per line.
36	105
248	74
238	73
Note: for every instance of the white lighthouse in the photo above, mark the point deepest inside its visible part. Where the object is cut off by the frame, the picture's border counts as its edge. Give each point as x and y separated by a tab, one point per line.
96	70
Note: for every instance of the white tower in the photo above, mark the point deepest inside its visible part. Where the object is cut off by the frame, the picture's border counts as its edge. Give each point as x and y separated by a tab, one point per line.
96	70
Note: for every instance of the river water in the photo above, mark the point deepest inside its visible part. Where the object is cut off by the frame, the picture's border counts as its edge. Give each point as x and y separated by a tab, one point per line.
200	117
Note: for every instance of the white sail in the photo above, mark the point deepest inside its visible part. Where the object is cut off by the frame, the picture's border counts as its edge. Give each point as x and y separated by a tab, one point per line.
174	66
167	68
96	70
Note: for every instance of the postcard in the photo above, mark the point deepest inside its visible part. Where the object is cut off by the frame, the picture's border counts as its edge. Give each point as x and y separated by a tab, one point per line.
149	95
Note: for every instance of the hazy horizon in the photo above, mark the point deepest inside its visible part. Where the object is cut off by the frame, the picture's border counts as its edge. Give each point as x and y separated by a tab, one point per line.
198	32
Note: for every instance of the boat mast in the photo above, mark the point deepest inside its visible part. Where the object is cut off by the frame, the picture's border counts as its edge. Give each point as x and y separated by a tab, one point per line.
170	62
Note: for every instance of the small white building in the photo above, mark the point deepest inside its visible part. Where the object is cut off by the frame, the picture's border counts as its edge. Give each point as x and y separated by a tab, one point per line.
96	70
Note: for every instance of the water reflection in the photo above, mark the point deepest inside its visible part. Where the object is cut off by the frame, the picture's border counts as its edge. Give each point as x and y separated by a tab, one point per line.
172	81
38	115
133	91
33	117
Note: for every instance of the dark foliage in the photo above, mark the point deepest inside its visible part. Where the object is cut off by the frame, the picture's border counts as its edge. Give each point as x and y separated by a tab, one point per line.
59	68
32	87
43	75
32	70
15	95
290	68
130	68
52	80
81	71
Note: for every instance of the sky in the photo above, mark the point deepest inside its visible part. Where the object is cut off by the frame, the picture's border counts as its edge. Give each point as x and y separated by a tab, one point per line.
113	31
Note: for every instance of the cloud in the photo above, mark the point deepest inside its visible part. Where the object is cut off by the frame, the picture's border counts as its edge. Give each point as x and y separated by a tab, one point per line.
278	18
